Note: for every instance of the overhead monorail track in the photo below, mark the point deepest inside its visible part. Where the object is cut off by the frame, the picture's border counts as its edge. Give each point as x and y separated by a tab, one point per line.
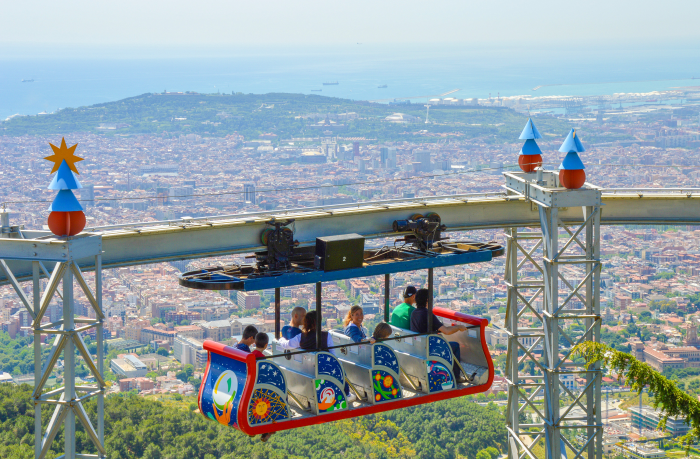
189	238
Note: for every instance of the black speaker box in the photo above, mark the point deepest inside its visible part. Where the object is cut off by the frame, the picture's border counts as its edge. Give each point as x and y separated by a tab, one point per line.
339	252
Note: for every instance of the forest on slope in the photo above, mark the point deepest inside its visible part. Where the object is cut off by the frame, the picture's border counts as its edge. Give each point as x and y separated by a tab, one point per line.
140	428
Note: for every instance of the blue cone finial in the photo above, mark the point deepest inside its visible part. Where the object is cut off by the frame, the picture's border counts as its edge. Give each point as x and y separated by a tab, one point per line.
530	148
572	162
530	131
65	179
572	143
65	202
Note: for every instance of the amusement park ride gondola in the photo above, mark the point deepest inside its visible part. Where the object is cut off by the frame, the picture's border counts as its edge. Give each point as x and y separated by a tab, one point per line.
287	390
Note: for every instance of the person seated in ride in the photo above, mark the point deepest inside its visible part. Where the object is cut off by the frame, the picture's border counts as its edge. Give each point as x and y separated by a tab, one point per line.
401	316
307	340
419	324
293	329
381	331
261	340
247	339
353	325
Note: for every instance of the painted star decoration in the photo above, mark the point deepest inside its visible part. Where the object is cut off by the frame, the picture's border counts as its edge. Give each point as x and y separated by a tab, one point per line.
63	153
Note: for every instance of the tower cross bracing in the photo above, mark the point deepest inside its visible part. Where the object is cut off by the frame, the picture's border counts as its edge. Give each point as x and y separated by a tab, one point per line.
566	262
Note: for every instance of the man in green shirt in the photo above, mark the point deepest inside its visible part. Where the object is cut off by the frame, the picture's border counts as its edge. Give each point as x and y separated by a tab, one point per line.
401	316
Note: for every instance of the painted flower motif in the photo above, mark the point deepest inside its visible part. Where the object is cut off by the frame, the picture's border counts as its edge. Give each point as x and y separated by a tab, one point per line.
378	397
388	381
377	376
394	392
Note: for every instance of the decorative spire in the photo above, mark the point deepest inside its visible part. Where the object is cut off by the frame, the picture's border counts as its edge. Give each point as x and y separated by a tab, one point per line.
66	217
530	155
530	131
65	201
63	153
65	179
571	169
572	143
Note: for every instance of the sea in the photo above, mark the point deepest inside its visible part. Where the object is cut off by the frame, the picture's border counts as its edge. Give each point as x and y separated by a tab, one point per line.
84	76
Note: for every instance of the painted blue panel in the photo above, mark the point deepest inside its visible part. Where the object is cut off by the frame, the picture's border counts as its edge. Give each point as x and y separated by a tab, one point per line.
383	355
65	179
65	201
530	148
530	131
329	397
439	377
386	386
329	366
222	389
270	373
572	162
266	405
438	347
572	143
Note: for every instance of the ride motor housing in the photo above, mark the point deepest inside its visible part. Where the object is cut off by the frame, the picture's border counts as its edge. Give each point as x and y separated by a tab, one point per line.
339	252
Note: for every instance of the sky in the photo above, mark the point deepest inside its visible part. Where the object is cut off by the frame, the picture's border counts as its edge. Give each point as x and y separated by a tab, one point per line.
36	26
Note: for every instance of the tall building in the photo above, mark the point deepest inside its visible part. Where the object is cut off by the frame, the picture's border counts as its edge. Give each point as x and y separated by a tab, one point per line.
391	158
383	156
356	148
87	194
248	300
189	351
329	145
423	158
249	192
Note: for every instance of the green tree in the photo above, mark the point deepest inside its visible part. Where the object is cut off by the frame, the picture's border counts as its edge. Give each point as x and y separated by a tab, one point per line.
151	452
667	396
483	454
189	370
162	351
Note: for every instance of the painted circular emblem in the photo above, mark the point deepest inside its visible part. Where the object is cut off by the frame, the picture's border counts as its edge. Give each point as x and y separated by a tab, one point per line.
327	398
225	389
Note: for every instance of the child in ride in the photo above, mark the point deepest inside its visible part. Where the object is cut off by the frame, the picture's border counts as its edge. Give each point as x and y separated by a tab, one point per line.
261	340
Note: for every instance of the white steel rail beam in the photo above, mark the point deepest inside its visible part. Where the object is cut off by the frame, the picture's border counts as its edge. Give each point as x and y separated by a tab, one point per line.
153	242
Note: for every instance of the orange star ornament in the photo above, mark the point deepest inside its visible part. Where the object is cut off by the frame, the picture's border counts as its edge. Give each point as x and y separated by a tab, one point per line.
63	153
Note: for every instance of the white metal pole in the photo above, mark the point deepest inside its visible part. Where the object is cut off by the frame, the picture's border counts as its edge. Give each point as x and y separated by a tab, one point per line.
36	291
69	363
99	333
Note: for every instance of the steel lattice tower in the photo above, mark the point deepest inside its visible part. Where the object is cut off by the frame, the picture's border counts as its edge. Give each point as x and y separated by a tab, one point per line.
567	283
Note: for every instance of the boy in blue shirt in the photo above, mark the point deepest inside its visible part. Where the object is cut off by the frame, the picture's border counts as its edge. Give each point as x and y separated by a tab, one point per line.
247	339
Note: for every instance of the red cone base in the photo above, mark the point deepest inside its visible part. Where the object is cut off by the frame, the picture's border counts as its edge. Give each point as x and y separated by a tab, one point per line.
66	223
572	179
528	163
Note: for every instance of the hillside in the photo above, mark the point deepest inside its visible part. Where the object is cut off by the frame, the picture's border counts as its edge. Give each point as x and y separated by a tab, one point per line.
140	428
284	115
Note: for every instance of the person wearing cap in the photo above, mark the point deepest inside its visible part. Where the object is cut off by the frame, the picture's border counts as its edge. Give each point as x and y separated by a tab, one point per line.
401	316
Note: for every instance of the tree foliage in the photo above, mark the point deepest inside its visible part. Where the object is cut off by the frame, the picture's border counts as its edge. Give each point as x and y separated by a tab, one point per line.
139	428
667	396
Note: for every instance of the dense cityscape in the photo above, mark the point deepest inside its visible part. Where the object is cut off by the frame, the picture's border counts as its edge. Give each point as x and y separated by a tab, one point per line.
155	328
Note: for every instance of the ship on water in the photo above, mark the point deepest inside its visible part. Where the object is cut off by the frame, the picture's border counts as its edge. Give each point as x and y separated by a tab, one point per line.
382	86
330	83
31	80
317	90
